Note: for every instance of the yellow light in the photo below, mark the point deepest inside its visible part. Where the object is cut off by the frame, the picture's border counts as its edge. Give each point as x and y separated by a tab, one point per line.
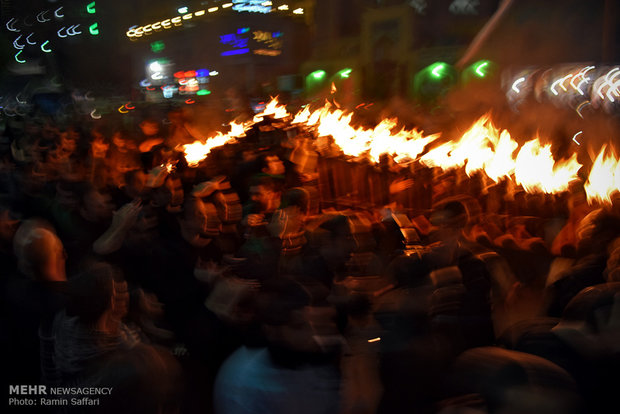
298	11
226	5
266	3
166	23
199	13
283	7
212	9
156	26
176	20
147	28
187	16
130	33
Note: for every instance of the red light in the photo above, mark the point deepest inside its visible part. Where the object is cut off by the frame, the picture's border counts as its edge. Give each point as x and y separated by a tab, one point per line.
179	74
190	74
261	103
129	107
150	88
189	101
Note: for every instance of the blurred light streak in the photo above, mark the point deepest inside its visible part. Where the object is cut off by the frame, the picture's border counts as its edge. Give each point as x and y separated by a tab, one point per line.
580	107
122	109
570	75
17	58
28	40
575	137
16	45
57	13
43	47
10	25
515	83
298	11
226	5
93	115
60	30
212	9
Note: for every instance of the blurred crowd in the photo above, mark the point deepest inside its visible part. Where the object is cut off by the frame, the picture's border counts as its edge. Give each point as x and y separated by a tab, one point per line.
251	284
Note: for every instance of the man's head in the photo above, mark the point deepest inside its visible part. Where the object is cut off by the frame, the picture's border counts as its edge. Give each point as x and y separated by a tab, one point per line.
265	193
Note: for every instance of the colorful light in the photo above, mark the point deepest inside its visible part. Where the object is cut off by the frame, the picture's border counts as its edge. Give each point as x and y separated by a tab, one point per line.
481	68
91	8
93	29
58	14
158	46
517	82
43	47
28	40
18	59
345	73
437	69
235	52
203	92
182	10
318	74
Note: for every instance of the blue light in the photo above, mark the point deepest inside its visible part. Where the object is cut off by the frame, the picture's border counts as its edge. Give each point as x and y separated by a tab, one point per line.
227	38
276	34
236	52
243	30
202	73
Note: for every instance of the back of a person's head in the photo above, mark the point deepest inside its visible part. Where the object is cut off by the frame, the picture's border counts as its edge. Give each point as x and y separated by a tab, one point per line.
35	246
90	293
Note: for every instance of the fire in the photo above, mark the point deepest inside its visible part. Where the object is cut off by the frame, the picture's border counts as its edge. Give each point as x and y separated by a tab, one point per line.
537	171
482	147
604	178
198	151
238	130
273	109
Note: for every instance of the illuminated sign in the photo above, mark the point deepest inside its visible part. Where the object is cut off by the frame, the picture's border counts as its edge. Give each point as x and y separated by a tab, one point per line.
259	42
252	6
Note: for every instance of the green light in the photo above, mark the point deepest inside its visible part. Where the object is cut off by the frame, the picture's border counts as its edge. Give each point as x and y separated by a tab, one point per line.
44	47
480	68
203	92
345	73
318	74
91	8
93	29
438	69
158	46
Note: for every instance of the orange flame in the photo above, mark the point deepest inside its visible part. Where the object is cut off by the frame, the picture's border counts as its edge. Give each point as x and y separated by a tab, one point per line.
274	109
604	178
536	170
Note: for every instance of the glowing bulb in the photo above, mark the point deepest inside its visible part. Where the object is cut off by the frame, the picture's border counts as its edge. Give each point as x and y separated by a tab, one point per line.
283	7
93	29
480	69
318	74
345	73
226	5
156	67
182	10
298	11
437	70
212	9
